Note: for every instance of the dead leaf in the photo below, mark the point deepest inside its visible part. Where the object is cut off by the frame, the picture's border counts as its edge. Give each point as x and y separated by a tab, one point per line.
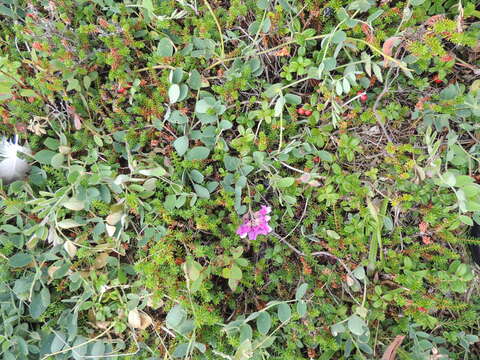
70	248
368	31
433	19
427	240
146	320
423	226
391	351
100	261
139	320
314	183
388	47
134	319
102	325
110	229
51	270
77	120
285	51
305	178
114	218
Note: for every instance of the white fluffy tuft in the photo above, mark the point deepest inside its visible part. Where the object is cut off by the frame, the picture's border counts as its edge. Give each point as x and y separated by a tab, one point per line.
12	167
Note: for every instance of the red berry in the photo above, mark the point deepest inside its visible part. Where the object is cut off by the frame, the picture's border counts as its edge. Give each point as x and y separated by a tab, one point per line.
121	90
308	112
30	15
422	309
437	80
301	111
363	96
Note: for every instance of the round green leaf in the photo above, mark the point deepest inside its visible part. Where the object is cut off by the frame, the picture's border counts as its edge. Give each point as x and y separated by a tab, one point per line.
197	153
356	325
20	260
301	291
44	156
181	145
284	312
264	322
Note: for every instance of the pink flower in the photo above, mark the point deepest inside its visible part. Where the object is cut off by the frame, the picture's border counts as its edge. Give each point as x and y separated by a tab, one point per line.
255	224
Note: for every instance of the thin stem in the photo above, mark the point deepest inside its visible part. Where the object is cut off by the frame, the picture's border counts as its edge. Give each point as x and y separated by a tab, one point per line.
222	45
78	345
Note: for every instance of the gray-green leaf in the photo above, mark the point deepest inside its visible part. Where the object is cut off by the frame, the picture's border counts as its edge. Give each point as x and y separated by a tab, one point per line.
197	153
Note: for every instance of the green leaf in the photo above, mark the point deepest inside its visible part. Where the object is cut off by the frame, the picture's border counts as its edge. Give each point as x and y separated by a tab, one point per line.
181	350
337	329
197	176
68	224
58	343
37	306
301	308
10	229
417	2
359	273
333	234
195	80
80	351
5	11
165	47
301	291
157	172
193	269
198	153
449	93
174	93
176	76
73	84
28	93
20	260
202	106
244	351
45	296
175	317
170	202
374	16
181	145
339	36
356	325
263	4
466	220
74	204
176	117
284	312
325	155
293	99
246	332
225	125
235	273
264	322
148	5
449	179
201	191
44	156
98	350
361	5
231	163
285	182
273	90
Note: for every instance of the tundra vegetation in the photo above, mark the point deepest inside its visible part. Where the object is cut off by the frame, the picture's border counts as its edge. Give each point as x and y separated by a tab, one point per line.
239	179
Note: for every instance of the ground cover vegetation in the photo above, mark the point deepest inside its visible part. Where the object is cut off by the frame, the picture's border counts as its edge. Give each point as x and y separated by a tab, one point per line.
243	179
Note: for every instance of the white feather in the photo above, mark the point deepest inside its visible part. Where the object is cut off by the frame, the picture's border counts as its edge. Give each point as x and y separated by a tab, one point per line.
12	167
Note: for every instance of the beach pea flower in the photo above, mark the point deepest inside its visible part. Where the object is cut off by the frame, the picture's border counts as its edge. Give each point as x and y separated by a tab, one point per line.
255	224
